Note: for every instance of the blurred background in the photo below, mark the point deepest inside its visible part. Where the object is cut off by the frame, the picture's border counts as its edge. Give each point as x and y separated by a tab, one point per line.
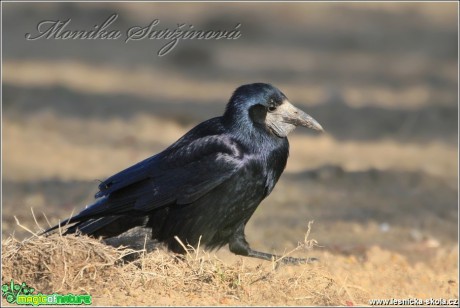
381	78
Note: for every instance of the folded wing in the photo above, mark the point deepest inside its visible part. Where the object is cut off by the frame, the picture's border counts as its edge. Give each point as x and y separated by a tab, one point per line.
179	175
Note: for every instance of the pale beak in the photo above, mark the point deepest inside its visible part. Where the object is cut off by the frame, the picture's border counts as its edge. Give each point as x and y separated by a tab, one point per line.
287	117
293	115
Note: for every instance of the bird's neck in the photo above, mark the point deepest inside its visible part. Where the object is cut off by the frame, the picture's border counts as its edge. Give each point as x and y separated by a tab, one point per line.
255	137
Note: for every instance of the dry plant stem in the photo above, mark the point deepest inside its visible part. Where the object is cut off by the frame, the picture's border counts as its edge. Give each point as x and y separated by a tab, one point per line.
24	227
305	245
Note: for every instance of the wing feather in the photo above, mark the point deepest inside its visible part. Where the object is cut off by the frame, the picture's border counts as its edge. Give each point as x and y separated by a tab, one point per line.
180	175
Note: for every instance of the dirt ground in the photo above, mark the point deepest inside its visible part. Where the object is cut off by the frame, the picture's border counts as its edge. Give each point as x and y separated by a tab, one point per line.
381	185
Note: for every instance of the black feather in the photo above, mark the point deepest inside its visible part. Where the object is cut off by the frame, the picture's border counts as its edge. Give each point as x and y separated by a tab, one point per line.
208	183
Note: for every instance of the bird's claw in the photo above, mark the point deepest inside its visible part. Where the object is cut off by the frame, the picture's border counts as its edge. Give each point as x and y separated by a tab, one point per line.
297	261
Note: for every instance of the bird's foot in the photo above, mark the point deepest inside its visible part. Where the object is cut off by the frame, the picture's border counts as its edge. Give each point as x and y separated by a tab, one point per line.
239	246
280	259
296	261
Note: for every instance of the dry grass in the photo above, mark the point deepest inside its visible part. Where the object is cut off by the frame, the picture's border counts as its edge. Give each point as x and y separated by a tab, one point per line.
123	276
79	264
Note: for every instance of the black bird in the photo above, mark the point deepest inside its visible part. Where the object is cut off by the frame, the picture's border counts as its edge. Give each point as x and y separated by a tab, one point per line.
208	183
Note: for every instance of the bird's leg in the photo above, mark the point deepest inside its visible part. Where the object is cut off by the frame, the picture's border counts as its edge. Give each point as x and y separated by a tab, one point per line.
239	246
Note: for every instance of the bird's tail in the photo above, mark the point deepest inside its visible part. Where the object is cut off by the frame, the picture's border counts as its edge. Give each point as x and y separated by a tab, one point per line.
91	221
85	215
63	224
105	227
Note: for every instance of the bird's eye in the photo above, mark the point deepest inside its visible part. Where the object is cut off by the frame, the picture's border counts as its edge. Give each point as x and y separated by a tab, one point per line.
271	108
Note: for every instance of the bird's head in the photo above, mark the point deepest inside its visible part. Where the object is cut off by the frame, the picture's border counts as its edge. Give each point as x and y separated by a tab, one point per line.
267	107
